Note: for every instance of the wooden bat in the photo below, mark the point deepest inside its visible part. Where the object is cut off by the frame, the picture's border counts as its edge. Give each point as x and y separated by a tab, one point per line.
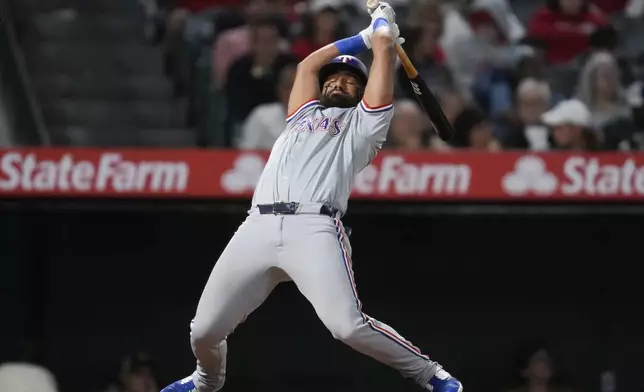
423	94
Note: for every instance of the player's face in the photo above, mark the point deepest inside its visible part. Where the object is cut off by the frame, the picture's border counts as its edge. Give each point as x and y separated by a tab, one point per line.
341	90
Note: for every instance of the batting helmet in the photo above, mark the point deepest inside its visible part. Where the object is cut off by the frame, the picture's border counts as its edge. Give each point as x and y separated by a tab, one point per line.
345	63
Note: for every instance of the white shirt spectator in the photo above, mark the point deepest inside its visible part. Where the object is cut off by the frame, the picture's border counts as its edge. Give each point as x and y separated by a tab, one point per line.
533	99
262	127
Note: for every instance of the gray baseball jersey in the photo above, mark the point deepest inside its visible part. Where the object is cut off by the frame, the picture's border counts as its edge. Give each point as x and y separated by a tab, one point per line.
317	157
313	162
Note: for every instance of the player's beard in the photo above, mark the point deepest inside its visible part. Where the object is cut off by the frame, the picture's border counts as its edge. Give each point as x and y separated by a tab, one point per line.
339	101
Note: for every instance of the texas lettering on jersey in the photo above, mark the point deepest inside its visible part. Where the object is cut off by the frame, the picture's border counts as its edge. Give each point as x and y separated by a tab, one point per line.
318	124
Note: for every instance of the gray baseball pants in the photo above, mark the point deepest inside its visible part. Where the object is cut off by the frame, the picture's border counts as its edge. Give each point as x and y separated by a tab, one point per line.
314	252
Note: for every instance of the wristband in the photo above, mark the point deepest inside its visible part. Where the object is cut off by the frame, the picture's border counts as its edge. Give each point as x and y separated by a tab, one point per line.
380	22
351	46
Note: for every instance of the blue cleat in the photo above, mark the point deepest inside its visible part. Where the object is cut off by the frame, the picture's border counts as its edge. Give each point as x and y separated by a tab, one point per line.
444	382
183	385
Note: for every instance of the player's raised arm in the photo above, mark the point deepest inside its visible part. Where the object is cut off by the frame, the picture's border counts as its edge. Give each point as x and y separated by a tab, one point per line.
306	89
380	88
376	108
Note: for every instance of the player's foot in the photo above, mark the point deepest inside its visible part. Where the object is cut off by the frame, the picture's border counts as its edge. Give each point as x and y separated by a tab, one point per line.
183	385
444	382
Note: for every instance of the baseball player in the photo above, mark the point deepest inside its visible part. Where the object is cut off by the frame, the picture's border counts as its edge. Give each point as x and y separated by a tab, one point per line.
337	123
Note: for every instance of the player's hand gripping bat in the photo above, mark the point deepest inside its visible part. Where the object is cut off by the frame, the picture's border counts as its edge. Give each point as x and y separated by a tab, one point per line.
422	93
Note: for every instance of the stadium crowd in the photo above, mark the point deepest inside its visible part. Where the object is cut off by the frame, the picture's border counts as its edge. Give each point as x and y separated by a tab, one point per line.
522	74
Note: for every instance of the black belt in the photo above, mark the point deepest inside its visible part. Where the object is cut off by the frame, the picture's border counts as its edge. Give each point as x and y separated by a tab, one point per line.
290	208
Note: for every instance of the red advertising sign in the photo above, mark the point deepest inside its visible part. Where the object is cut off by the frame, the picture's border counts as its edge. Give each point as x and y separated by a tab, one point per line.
392	175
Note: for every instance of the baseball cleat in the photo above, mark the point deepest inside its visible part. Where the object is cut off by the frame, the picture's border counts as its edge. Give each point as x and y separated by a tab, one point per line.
183	385
444	382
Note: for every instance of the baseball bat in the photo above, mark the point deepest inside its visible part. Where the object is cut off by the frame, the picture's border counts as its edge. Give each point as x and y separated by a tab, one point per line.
423	94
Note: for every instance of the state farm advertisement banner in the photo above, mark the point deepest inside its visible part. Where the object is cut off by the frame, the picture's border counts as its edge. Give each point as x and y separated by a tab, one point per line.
393	175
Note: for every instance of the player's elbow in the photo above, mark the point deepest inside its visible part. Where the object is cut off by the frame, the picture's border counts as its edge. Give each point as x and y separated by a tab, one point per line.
307	69
304	67
314	61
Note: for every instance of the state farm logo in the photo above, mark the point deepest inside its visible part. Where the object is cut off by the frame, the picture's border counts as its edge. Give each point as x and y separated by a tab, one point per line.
109	171
579	176
530	175
244	175
392	176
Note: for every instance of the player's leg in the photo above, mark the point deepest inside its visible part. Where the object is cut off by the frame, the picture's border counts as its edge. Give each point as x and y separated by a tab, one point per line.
240	281
317	257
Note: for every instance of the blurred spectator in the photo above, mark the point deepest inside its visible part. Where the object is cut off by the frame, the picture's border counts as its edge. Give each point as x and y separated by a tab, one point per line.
499	15
523	128
179	11
634	8
409	126
570	122
321	27
566	26
231	44
479	48
607	39
529	61
494	38
26	377
599	88
452	102
635	98
428	58
621	134
455	33
474	130
179	14
533	99
425	13
197	6
535	371
422	30
253	77
267	121
627	134
136	375
609	7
